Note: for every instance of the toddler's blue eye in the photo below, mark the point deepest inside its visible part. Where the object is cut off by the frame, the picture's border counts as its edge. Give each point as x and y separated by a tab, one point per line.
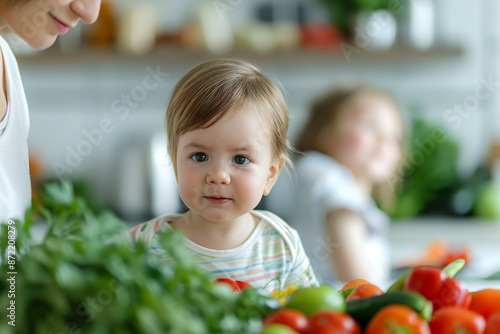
199	157
240	160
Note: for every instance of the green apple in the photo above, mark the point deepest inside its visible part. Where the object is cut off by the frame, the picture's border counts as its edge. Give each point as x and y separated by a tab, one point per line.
316	298
487	204
277	329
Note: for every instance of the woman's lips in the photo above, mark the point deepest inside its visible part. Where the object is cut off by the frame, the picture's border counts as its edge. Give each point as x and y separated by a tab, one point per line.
217	200
61	26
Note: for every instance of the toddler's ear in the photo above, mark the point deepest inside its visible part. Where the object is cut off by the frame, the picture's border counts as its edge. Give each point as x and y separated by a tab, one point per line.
272	176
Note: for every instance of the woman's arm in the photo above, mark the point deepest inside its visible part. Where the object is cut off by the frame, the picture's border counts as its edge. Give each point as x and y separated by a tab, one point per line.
346	235
3	89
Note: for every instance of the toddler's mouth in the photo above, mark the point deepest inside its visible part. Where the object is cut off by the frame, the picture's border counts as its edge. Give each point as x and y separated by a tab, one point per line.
218	200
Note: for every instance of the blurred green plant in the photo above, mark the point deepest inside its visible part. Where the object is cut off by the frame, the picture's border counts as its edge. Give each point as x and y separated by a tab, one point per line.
87	276
430	172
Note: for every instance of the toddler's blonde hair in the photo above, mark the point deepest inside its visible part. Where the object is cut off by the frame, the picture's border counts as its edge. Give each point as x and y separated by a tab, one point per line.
211	89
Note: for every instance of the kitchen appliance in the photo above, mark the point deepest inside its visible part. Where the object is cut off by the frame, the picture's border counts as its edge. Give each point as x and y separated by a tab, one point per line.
146	185
163	185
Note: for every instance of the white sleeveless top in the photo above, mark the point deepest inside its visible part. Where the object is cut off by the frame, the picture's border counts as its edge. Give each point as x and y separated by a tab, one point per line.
15	186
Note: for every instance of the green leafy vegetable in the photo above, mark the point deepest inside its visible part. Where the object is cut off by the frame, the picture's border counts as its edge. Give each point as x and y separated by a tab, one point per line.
86	276
430	172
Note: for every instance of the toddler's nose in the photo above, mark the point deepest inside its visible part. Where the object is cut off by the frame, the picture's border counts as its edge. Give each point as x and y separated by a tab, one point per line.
218	176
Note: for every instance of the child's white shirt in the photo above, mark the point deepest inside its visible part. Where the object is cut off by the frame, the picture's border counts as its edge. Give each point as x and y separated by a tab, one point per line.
15	186
323	185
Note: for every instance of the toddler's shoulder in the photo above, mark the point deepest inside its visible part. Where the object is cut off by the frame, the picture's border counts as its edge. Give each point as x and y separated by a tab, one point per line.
280	227
145	231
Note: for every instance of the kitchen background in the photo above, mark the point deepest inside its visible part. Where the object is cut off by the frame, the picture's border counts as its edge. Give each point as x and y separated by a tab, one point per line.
98	96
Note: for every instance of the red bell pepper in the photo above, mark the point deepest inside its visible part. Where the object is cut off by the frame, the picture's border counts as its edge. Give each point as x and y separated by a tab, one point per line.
433	283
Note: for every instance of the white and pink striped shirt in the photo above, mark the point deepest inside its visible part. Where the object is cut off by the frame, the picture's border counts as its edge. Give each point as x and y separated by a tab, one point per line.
273	249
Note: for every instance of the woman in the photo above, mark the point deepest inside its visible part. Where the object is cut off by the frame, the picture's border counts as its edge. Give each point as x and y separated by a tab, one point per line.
38	23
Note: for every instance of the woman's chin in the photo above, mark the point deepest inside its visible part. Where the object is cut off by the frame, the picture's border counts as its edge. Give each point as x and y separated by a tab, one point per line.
41	42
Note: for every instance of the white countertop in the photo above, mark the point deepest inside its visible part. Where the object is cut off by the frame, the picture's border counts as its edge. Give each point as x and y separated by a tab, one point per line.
482	238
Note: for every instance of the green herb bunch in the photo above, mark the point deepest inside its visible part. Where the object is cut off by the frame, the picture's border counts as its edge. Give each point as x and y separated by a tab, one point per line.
85	275
342	13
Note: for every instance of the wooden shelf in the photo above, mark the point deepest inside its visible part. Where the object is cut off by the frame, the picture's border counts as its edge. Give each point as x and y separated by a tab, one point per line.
287	58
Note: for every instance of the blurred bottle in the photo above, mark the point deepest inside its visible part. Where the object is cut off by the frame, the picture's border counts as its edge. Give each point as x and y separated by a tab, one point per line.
375	30
103	32
275	28
208	29
137	28
417	23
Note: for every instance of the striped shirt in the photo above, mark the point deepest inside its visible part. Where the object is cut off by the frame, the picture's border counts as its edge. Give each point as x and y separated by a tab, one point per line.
273	249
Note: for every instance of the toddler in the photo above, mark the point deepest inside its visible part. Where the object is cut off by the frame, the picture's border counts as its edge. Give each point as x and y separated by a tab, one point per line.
227	138
351	144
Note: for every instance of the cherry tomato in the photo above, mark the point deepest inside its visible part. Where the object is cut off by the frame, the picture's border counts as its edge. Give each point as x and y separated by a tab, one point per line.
454	319
354	284
485	302
397	318
364	291
243	285
493	324
229	282
294	319
331	322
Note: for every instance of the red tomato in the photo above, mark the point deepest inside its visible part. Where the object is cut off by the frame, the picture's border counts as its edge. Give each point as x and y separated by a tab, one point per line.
454	319
243	285
397	318
294	319
364	291
229	282
493	324
331	322
485	302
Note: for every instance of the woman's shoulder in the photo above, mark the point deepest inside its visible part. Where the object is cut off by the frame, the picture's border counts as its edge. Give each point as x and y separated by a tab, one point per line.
145	231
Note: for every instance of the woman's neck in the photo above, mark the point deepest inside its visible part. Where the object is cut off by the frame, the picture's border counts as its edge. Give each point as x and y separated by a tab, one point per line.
216	235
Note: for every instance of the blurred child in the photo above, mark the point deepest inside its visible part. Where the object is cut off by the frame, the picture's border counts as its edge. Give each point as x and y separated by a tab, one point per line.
226	126
351	144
